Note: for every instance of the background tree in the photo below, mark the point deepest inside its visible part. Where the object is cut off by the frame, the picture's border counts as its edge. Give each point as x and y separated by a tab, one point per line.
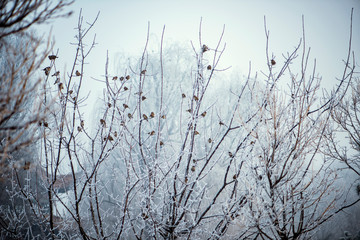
22	54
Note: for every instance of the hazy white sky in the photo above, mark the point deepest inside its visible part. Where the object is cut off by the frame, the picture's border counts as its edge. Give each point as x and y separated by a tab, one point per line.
122	27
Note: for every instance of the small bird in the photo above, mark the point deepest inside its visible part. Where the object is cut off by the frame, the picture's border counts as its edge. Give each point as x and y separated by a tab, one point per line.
209	140
152	133
143	98
193	168
26	165
79	129
183	95
52	57
163	116
205	48
82	123
77	73
152	115
47	70
121	78
272	62
209	67
57	81
143	71
203	114
125	106
102	122
125	89
56	74
145	117
196	98
127	77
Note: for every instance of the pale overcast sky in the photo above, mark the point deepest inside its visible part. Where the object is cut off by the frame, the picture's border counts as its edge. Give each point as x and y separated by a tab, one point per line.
122	27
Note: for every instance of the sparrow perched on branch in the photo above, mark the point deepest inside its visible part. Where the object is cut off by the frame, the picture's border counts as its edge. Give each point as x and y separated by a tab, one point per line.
52	57
47	70
205	48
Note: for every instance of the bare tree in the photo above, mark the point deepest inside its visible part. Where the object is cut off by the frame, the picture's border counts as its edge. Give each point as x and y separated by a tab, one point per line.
163	161
22	55
16	16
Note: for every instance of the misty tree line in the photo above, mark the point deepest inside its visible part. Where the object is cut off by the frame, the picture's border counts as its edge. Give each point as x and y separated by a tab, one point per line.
170	152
